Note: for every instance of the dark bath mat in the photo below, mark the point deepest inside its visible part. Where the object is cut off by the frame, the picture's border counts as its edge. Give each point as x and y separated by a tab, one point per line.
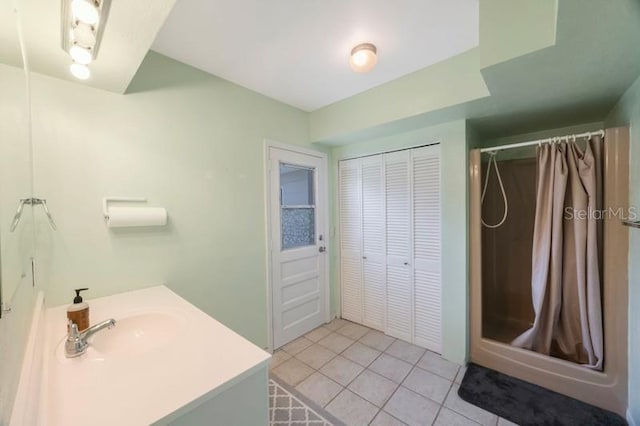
527	404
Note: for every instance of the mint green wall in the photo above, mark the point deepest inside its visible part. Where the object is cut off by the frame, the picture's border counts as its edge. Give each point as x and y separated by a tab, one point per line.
452	137
627	112
499	18
187	141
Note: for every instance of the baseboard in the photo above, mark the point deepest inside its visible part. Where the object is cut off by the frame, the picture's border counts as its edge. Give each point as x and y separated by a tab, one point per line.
630	419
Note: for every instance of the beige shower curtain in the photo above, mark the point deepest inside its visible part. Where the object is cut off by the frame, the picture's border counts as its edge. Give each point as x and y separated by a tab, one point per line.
567	244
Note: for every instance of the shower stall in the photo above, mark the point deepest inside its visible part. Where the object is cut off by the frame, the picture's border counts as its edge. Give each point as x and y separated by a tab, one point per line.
503	218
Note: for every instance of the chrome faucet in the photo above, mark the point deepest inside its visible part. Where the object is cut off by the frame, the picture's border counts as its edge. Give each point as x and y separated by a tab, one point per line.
76	343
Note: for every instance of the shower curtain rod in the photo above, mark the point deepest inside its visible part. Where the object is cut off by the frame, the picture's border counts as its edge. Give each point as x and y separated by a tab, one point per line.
541	141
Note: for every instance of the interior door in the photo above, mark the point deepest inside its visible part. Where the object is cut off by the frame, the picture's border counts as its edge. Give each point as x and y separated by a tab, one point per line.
350	240
427	243
398	233
374	268
298	241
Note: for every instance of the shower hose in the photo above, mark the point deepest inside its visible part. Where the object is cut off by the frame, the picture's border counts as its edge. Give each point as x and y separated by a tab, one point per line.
492	158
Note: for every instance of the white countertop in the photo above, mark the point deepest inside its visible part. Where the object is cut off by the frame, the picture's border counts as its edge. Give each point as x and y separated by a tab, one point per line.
187	368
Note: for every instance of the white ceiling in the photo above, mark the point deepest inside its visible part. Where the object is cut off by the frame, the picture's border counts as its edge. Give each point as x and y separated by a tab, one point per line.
297	51
10	53
130	29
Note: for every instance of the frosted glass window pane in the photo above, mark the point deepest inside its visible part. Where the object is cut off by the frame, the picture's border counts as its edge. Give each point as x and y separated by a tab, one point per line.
297	206
298	227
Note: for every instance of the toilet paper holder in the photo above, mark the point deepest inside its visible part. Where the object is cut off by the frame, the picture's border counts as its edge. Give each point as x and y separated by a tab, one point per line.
107	200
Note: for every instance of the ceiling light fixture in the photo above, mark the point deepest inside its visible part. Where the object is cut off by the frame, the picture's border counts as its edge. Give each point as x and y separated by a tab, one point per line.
85	11
363	57
83	35
81	55
80	71
83	24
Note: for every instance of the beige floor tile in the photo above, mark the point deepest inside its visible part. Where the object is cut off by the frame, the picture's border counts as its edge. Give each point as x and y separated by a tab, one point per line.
373	387
353	331
447	417
391	368
436	364
377	340
351	409
385	419
405	351
318	334
477	414
293	371
411	408
298	345
278	358
363	355
505	422
316	356
319	389
427	384
336	324
336	342
341	370
460	374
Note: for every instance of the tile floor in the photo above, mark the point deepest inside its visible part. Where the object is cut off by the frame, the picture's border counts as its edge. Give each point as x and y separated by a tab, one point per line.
364	377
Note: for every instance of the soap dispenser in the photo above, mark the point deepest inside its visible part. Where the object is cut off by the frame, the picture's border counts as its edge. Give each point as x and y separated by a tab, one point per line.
78	312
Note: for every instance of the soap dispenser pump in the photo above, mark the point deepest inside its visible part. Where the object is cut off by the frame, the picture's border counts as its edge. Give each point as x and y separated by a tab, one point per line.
78	312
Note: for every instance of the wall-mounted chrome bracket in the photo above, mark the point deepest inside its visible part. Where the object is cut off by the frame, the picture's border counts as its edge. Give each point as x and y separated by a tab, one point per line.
32	202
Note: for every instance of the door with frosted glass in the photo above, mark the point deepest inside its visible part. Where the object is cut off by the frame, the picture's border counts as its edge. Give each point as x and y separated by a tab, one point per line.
298	243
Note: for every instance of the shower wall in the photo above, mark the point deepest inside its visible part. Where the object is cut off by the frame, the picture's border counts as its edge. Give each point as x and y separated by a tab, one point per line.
506	250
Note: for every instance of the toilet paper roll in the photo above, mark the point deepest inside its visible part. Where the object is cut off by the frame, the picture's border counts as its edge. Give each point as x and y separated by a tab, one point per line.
120	217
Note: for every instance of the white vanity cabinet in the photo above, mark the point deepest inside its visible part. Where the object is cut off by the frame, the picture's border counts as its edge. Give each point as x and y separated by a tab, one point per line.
164	363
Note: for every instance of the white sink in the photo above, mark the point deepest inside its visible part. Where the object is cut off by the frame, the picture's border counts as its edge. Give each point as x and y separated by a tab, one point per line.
135	334
164	359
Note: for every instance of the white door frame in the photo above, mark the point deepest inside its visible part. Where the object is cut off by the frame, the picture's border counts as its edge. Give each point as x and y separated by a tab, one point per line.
323	200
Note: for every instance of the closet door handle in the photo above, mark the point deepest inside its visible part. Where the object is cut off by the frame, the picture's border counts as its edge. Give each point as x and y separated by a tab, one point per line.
364	257
406	263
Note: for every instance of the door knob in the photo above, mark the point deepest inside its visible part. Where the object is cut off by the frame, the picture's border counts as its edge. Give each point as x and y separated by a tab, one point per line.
406	263
322	249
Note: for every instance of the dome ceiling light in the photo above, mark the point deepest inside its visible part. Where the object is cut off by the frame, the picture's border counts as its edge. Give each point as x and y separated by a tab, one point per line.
363	57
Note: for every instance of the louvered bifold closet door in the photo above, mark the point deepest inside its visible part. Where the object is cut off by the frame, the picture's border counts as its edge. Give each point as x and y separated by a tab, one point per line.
425	164
398	233
351	239
373	242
